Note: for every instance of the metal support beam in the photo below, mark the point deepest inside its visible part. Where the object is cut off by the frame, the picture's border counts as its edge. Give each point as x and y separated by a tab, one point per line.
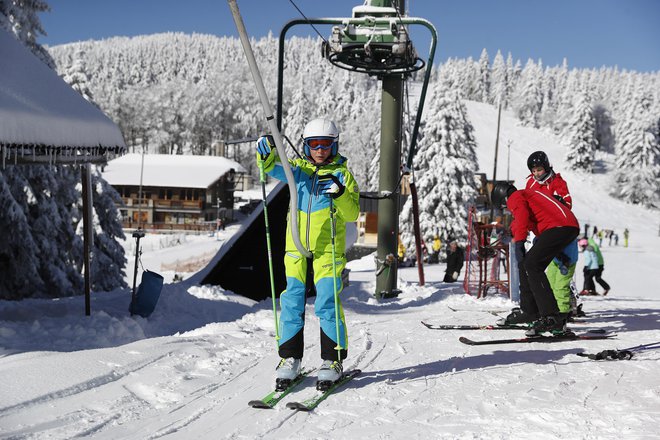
86	178
388	209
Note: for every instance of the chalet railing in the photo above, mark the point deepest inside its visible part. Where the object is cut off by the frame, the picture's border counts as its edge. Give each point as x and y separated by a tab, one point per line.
163	203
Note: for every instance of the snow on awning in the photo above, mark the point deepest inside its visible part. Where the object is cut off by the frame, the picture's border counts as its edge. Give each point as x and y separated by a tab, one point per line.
42	119
169	170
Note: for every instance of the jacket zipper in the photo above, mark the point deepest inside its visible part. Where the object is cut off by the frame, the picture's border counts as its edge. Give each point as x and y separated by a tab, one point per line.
309	206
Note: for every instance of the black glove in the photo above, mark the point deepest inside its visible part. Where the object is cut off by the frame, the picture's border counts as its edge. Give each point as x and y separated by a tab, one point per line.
560	198
330	186
519	249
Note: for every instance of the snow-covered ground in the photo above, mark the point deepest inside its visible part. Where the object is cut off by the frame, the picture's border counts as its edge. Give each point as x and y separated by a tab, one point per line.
188	371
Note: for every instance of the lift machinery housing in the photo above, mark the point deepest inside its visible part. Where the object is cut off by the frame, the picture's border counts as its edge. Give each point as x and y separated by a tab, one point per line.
374	41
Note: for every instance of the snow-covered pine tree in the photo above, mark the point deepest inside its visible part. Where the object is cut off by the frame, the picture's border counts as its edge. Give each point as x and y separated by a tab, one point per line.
76	76
604	132
499	81
297	116
52	189
513	72
42	264
484	83
19	255
580	135
528	95
107	265
638	154
444	167
20	17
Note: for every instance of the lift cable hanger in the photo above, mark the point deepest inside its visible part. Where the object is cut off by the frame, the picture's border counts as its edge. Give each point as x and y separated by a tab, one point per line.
375	41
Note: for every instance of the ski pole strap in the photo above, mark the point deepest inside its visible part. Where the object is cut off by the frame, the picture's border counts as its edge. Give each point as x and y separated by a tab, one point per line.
609	355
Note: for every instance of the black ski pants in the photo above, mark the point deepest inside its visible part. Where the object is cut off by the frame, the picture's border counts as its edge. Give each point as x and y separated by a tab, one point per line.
600	280
536	297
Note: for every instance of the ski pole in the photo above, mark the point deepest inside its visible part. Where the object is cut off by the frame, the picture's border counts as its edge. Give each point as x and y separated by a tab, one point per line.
333	235
262	178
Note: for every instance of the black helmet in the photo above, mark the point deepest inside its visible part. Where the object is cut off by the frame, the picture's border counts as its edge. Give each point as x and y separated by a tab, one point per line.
501	191
538	159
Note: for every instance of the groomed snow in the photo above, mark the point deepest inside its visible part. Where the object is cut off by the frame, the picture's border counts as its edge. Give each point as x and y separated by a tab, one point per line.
188	371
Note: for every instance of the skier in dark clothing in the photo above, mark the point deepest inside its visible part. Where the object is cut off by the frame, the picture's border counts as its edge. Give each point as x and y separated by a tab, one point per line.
555	227
455	259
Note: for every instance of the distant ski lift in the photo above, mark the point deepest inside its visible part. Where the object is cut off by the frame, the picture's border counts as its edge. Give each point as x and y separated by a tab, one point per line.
374	42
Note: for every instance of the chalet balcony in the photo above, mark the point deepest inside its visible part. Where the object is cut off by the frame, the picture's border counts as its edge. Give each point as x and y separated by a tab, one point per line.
164	204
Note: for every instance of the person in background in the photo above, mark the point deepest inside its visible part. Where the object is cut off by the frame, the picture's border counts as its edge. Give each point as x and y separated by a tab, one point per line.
401	252
455	259
435	247
323	182
598	275
590	270
626	233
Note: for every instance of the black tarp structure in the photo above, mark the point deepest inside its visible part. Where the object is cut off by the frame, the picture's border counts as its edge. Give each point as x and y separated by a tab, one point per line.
241	266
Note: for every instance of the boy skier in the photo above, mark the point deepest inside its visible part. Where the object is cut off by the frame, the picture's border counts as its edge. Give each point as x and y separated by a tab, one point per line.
323	182
555	227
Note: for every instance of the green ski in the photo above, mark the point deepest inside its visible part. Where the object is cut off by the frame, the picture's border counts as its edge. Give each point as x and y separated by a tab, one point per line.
312	402
275	396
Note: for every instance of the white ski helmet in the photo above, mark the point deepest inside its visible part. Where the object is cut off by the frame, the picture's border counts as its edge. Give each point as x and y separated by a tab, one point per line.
321	128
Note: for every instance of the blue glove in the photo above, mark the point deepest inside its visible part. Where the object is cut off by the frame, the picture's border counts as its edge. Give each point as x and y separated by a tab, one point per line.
330	186
264	145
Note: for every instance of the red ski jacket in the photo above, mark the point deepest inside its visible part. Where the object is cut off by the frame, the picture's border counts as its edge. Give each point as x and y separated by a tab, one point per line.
554	186
536	211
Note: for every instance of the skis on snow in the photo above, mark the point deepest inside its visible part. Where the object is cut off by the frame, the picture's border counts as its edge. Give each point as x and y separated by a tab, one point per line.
312	402
275	396
475	326
487	327
554	338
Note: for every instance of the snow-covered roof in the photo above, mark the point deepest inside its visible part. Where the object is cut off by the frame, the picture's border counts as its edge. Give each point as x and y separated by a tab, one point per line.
42	118
167	170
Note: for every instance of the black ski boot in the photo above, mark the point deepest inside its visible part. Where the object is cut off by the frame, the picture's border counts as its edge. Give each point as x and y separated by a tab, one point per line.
517	316
553	324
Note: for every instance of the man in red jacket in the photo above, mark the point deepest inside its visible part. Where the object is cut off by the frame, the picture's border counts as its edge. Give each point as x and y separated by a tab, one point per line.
555	227
544	179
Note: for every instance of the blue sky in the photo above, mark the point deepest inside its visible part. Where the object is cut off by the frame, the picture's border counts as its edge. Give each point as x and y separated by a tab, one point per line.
589	33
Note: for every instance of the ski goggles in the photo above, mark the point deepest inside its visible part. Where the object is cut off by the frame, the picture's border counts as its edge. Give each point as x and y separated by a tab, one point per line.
320	143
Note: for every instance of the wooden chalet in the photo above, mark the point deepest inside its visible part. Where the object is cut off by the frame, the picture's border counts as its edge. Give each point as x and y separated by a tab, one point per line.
174	192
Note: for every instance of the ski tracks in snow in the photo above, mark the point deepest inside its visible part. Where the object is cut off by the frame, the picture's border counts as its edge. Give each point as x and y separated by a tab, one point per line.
172	384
